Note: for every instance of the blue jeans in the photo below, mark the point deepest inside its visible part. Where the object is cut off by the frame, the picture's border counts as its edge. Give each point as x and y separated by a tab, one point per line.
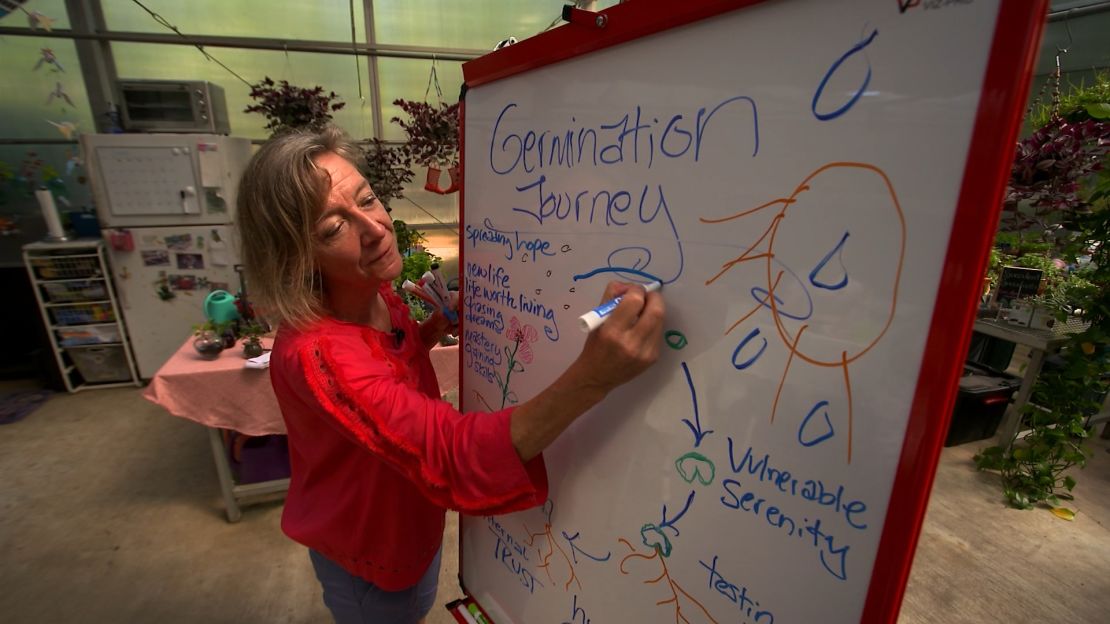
353	600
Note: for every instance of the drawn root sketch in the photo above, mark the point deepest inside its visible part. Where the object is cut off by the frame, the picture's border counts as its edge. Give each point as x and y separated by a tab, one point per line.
840	207
678	597
552	547
552	543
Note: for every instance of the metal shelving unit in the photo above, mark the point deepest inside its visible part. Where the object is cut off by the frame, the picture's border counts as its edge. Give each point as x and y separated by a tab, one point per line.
79	308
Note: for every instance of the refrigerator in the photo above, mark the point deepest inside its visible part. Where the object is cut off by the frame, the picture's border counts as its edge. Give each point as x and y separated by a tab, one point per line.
166	206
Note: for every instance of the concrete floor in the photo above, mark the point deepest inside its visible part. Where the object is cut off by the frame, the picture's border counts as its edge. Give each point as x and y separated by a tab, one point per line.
110	512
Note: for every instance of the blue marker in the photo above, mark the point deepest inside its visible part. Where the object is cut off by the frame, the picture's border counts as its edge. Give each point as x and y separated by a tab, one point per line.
594	318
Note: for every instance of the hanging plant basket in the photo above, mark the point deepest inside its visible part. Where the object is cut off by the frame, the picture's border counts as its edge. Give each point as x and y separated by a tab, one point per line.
456	178
431	181
432	133
287	107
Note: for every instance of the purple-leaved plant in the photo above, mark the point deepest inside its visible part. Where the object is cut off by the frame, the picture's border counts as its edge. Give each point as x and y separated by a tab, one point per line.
288	107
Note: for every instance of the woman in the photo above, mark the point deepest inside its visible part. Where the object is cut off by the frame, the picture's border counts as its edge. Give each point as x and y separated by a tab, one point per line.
376	456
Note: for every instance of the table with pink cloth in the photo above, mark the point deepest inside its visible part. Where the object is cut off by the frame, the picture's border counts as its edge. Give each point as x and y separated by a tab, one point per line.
223	394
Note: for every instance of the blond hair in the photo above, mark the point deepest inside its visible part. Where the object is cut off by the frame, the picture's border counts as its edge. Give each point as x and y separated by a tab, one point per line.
281	192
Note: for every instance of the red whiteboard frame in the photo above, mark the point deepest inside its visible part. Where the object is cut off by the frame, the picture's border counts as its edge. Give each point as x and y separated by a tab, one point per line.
1010	63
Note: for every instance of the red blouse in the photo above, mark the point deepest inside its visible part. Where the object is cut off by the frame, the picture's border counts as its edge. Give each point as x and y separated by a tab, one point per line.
376	455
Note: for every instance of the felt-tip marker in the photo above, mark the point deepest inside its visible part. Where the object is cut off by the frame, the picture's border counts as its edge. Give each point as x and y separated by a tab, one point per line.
459	606
477	614
594	318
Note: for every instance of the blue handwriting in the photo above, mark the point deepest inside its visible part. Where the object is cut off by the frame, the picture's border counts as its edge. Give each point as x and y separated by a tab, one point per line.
612	143
805	425
859	92
832	557
575	549
512	554
670	524
760	296
695	427
820	265
510	240
575	612
749	607
812	490
481	355
488	287
740	347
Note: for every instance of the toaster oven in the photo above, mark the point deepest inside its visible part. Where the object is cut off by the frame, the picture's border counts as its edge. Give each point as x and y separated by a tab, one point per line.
173	106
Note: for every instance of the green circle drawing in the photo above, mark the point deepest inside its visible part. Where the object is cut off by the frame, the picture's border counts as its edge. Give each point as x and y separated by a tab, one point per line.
698	460
663	549
675	339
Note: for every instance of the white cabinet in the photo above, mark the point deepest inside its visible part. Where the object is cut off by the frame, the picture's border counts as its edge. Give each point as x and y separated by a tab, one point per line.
77	299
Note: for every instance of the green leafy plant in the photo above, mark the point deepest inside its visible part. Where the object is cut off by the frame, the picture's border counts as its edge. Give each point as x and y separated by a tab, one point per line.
1070	293
212	326
251	330
212	338
1061	176
287	107
251	333
415	262
1034	467
1079	101
1050	179
407	238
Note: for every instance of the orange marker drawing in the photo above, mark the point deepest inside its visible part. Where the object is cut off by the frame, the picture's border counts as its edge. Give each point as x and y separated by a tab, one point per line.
764	249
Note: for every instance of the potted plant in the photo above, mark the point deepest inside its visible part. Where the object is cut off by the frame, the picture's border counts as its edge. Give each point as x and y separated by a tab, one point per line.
288	107
209	339
432	133
251	333
388	169
415	262
1059	196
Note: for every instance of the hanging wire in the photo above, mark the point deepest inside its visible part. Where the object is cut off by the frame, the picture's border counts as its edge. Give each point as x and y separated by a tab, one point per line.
354	48
289	75
434	218
161	20
433	78
553	24
1055	111
1053	79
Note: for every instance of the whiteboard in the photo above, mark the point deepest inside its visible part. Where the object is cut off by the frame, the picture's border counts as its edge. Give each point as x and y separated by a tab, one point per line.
794	172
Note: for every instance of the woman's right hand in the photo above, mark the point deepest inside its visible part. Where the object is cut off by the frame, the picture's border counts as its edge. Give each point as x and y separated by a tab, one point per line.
627	343
622	348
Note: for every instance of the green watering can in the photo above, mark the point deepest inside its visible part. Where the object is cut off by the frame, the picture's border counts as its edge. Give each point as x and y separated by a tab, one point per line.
219	307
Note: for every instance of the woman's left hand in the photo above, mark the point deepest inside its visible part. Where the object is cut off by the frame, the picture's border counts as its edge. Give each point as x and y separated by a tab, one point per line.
436	326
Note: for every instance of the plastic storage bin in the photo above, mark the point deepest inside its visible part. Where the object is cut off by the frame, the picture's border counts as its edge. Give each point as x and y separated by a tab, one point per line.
63	267
261	458
982	400
100	364
83	314
90	335
62	292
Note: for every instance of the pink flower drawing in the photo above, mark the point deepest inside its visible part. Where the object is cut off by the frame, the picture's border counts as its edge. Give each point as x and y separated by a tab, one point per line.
523	336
